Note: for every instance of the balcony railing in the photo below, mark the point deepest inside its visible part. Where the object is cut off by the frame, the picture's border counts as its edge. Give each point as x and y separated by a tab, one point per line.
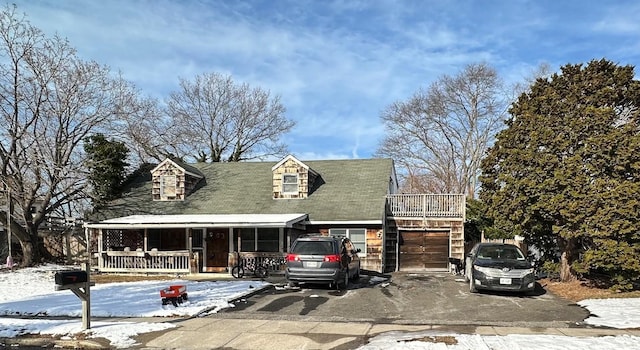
427	205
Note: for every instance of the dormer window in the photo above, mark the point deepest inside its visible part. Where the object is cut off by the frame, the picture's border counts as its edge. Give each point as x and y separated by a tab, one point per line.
290	183
292	179
168	187
174	180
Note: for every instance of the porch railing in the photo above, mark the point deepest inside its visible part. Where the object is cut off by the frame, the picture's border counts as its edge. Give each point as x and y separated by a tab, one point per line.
274	262
426	205
145	262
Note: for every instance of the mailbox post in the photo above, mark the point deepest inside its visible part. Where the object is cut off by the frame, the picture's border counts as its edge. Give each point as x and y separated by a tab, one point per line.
79	282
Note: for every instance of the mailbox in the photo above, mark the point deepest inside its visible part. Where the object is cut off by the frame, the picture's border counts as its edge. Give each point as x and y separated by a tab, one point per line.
70	277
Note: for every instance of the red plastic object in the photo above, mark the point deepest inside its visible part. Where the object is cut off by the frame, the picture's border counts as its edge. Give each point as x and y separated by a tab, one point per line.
174	294
173	291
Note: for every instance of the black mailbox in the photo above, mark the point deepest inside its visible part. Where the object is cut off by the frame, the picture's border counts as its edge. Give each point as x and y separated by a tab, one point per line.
70	277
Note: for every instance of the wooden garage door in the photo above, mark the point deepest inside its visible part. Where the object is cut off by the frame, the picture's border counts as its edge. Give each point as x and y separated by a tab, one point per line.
424	250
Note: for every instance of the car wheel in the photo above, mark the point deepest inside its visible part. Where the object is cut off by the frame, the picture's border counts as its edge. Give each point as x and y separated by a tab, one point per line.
472	285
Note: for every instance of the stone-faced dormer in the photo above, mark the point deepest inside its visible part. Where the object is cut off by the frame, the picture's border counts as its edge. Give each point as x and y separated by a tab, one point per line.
292	178
174	180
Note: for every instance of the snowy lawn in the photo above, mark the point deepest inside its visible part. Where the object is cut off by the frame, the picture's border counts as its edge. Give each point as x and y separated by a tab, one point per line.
32	293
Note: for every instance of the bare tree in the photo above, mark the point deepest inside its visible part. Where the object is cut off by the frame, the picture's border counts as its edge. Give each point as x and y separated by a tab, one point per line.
440	135
49	102
214	119
140	126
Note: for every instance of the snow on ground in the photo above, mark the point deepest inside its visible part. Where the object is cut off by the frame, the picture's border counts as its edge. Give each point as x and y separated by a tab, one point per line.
119	333
615	313
30	292
442	341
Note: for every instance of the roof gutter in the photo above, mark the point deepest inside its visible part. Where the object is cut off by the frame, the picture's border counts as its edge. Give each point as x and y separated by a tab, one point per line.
346	222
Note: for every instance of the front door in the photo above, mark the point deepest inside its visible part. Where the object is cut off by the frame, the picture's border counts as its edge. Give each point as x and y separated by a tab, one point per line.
217	249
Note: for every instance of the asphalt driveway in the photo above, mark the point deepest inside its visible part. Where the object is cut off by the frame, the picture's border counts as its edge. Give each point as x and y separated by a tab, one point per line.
409	298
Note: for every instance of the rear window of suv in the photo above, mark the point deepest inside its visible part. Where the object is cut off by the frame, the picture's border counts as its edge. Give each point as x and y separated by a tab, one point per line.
313	247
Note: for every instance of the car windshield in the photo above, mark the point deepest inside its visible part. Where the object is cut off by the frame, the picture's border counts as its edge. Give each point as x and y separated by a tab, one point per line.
313	247
498	252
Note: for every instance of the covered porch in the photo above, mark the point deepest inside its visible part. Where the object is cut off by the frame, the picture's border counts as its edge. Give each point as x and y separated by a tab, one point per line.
184	244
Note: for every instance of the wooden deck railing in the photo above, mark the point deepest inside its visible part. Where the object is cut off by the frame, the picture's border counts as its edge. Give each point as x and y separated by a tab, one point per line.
144	262
426	205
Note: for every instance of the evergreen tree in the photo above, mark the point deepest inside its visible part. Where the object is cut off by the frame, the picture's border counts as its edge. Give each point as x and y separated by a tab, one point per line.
566	170
107	166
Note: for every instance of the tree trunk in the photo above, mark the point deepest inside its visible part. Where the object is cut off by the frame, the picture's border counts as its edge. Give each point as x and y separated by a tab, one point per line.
33	251
28	251
566	259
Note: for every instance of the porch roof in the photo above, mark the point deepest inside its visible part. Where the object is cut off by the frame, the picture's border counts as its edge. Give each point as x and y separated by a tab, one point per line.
200	220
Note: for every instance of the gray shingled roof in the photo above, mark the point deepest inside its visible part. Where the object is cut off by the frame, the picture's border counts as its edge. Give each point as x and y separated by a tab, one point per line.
351	190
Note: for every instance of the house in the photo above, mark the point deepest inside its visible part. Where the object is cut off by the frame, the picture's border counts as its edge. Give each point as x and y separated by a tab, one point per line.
192	218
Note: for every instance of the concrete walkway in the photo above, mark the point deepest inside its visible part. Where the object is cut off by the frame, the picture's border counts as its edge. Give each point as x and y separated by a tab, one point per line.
234	333
211	333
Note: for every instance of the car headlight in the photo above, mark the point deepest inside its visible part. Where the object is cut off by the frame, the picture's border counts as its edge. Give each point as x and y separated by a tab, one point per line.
485	270
527	272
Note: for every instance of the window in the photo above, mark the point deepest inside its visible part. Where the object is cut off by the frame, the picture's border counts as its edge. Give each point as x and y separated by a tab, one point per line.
358	237
268	239
257	239
167	186
290	183
247	240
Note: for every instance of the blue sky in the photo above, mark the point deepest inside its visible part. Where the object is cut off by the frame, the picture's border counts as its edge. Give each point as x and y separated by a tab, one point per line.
337	64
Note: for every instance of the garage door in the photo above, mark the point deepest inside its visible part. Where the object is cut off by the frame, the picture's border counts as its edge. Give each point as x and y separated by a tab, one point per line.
424	250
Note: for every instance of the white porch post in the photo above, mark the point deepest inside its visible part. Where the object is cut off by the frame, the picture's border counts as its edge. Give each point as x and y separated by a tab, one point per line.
189	234
100	248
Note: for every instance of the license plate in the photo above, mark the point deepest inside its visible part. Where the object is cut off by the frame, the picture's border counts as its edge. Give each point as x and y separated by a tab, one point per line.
310	264
505	281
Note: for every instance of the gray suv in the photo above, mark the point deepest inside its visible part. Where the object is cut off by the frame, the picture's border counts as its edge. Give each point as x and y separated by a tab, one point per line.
323	259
